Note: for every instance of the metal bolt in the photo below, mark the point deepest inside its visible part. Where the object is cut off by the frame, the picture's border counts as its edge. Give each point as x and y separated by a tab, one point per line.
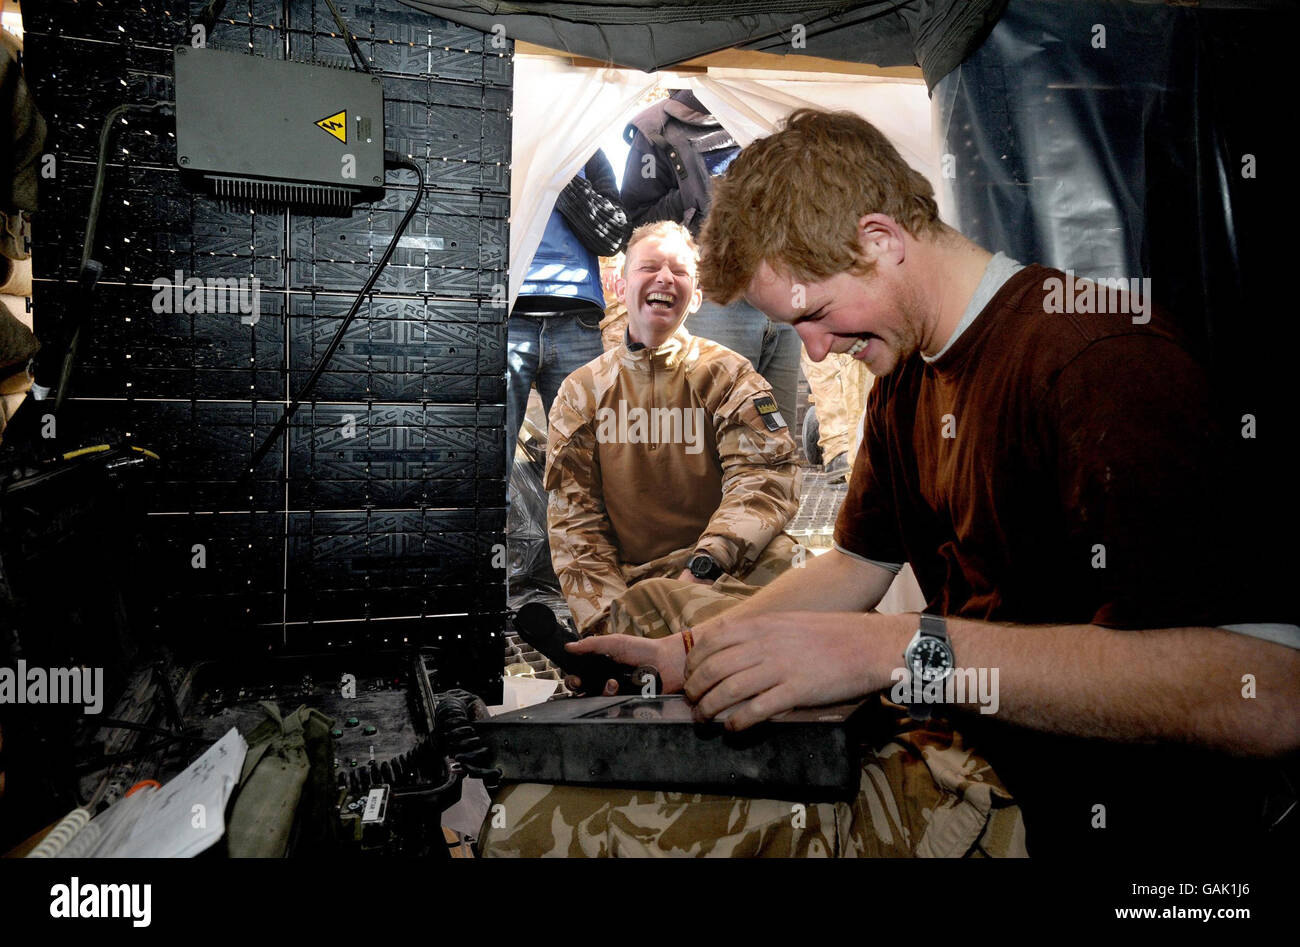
376	179
185	159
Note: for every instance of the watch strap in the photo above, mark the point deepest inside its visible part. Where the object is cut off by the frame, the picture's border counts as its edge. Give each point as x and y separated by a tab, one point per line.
932	626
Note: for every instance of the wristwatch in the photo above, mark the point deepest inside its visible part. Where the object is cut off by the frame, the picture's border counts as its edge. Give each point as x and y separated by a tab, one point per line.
704	566
928	659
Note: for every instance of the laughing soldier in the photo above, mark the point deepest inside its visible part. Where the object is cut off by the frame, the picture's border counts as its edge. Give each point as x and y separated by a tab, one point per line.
668	465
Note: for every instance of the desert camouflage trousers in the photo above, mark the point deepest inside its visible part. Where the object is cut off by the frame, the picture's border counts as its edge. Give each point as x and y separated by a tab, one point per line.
837	387
921	794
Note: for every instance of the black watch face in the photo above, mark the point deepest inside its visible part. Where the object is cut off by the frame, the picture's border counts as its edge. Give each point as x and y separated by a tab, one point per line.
701	566
931	659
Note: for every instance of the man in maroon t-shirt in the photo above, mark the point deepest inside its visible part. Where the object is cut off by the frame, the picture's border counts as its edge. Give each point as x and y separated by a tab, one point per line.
1039	449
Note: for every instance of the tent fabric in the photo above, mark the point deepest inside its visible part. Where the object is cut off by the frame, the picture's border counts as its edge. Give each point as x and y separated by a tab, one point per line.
751	104
554	134
562	112
658	34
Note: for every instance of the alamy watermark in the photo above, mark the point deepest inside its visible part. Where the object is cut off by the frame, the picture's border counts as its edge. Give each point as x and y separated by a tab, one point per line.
1104	295
214	295
964	686
636	425
76	685
75	899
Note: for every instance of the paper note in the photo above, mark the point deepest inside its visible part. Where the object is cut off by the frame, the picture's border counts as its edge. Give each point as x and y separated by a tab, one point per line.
177	821
517	692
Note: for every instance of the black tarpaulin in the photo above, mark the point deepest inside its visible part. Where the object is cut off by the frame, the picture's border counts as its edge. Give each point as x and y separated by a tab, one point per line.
658	34
1159	148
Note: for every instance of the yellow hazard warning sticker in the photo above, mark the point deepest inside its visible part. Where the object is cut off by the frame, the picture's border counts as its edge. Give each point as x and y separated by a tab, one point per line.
336	125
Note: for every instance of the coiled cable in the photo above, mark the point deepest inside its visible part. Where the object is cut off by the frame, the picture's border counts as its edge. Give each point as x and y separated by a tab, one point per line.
62	834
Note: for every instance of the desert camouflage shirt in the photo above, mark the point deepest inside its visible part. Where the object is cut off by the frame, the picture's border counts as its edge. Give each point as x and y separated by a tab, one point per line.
653	452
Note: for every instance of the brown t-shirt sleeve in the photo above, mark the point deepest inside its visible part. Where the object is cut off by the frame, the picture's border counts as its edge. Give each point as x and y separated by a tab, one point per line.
1135	461
867	524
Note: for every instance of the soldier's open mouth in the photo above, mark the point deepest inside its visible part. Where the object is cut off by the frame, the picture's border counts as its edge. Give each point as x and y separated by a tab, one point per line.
660	301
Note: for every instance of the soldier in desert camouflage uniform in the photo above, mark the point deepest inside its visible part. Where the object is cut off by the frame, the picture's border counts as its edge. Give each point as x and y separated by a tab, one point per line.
665	448
837	389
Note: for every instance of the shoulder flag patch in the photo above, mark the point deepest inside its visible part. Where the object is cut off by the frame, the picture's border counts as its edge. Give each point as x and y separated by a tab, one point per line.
769	412
336	125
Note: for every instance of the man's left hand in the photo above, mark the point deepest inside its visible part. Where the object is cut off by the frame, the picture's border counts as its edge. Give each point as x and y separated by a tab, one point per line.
756	667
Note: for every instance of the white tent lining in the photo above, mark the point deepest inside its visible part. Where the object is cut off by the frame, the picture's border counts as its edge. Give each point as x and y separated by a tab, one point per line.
553	139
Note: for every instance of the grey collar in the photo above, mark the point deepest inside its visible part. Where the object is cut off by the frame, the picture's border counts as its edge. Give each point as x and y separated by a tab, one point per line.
998	270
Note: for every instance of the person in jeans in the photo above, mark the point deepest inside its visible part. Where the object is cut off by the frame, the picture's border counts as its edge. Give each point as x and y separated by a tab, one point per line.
554	327
678	149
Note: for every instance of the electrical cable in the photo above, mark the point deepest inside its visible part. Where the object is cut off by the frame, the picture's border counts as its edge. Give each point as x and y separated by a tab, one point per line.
89	271
452	751
208	18
100	448
112	723
99	762
358	57
62	834
455	714
390	161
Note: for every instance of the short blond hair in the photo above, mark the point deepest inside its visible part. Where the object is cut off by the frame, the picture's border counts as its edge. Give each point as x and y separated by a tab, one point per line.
794	198
662	228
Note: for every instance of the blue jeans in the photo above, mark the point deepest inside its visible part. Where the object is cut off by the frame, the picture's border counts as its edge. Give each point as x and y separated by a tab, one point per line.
544	349
771	347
